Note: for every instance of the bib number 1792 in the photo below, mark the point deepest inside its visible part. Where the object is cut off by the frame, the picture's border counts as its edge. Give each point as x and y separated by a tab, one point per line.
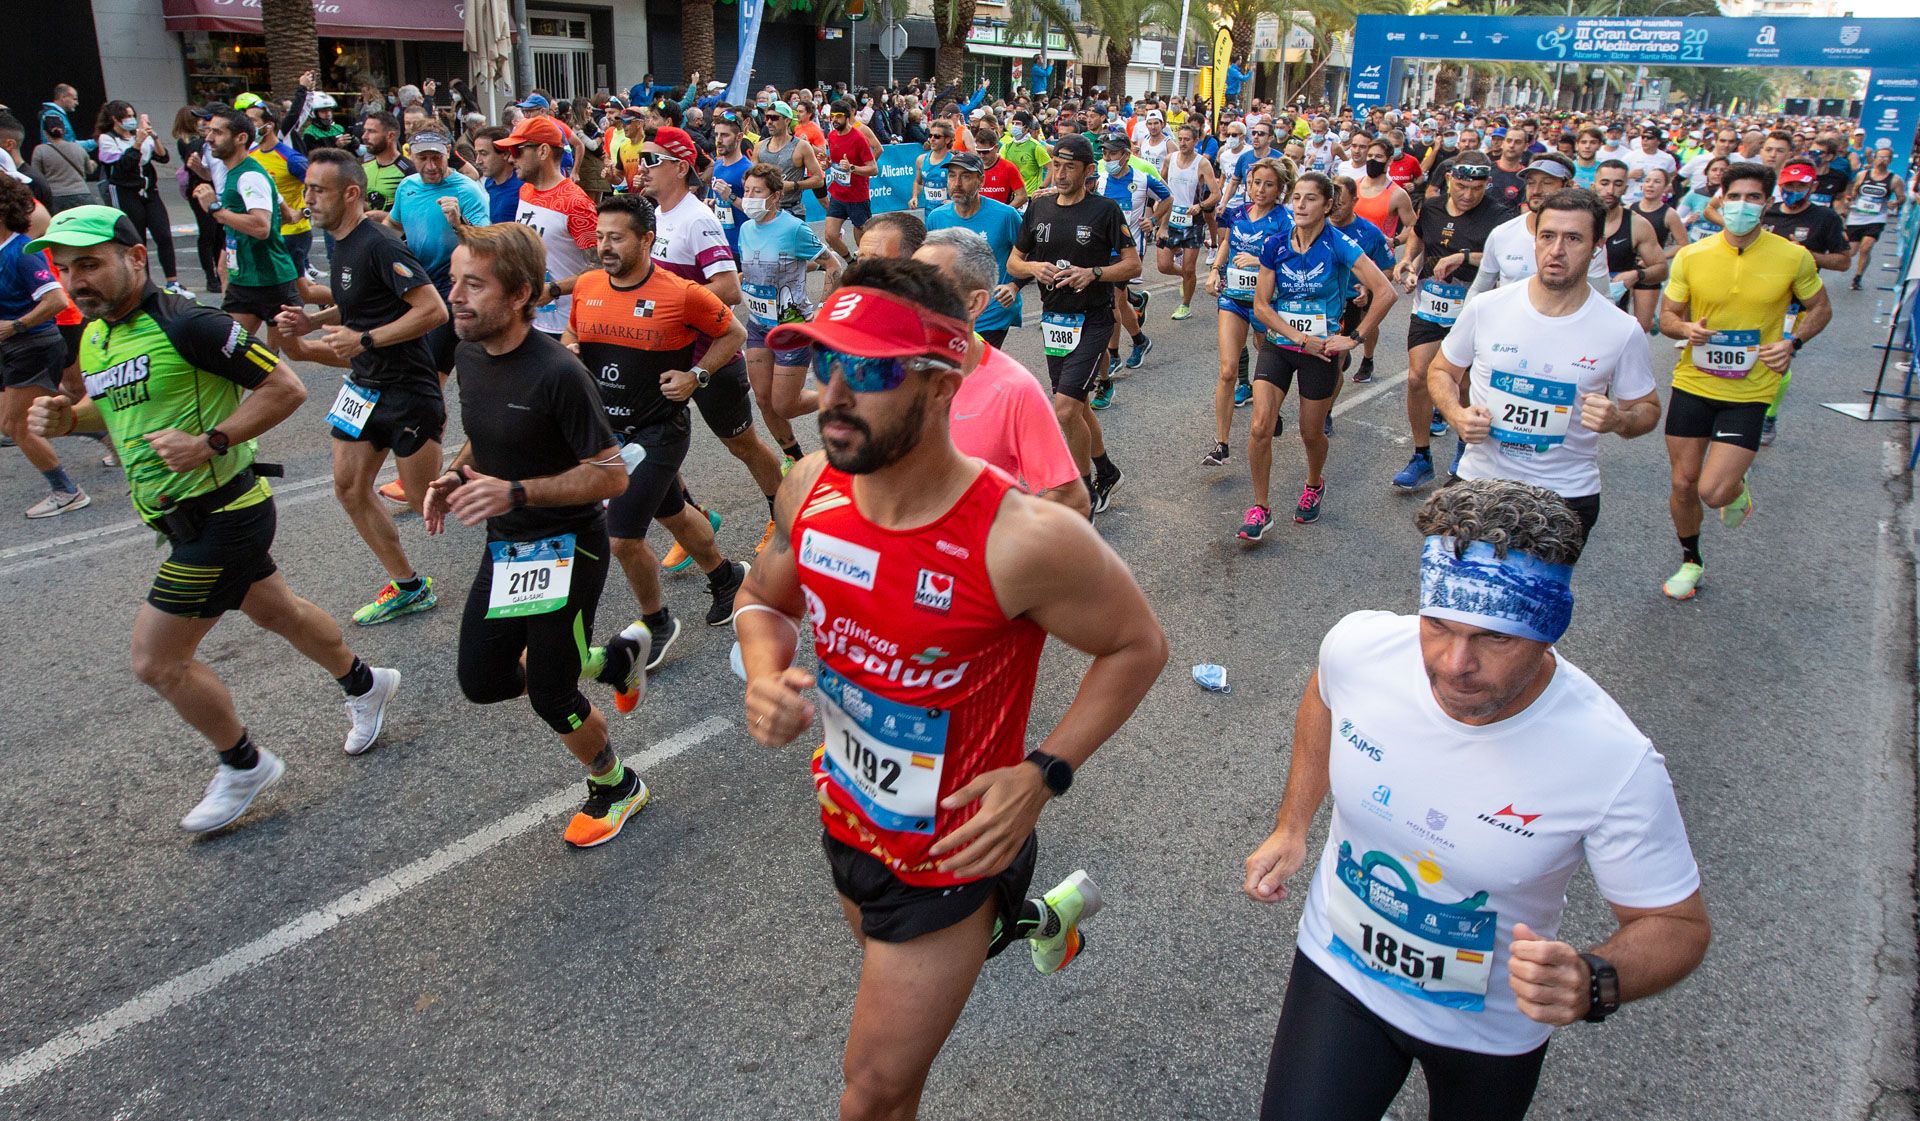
881	772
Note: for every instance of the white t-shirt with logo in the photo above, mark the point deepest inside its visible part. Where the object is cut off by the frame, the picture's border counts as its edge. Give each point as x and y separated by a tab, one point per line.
1642	161
1530	371
1453	833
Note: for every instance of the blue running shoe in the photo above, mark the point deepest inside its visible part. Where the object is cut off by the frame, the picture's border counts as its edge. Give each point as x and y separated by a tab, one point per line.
1242	394
1139	353
1439	425
1417	473
1103	396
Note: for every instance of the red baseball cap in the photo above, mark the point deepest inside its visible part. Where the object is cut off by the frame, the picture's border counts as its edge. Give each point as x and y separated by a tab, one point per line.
534	130
1797	173
676	143
875	324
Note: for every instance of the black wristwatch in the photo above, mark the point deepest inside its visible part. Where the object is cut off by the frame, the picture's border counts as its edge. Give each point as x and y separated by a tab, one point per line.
517	492
218	441
1797	344
1603	988
1055	772
366	340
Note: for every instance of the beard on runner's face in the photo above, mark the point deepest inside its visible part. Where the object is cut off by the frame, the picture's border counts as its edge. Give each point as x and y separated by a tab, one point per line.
861	451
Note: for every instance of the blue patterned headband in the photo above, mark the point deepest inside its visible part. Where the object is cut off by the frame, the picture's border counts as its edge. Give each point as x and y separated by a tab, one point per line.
1518	594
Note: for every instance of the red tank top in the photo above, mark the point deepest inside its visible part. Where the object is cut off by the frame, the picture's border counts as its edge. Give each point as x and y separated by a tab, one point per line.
925	684
1378	209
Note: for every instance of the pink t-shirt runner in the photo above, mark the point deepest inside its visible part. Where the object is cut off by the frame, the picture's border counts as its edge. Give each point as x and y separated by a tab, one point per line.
1004	416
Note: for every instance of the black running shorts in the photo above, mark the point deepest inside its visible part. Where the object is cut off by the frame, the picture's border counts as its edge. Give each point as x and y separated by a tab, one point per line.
1693	417
1075	374
210	575
653	488
1278	366
403	421
726	404
894	911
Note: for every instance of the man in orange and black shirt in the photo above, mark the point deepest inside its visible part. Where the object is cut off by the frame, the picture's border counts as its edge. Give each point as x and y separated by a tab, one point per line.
634	325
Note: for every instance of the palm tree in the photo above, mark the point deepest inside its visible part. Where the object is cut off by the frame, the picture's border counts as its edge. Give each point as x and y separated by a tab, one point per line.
696	37
292	47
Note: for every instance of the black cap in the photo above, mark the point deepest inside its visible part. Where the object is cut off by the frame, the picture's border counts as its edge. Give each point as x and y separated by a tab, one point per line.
1075	148
966	161
1116	139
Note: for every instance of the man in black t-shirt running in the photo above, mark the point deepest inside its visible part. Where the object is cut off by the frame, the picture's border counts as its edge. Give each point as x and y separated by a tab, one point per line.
385	305
539	461
1076	245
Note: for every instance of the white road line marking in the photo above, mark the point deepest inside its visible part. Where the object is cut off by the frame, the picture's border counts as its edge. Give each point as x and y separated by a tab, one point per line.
1349	399
135	523
165	997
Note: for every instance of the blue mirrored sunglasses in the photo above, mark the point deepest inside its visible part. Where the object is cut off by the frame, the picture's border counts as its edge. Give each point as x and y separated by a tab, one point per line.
870	375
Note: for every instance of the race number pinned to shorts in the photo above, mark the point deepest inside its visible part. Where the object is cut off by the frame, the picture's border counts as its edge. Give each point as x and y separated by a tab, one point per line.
352	408
1436	952
530	577
1060	333
885	755
763	303
1439	303
1240	283
1307	317
1728	354
1180	218
1530	410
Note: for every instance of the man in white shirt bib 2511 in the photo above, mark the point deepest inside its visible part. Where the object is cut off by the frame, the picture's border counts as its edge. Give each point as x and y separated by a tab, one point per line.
1473	770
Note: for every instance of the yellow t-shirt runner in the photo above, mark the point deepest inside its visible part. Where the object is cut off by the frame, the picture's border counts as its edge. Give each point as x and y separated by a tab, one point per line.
1744	296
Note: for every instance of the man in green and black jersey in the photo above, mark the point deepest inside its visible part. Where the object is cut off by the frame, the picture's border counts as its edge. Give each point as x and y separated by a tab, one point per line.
184	391
260	270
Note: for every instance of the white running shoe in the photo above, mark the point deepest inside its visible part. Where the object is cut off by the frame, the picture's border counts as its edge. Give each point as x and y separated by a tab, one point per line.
231	792
56	503
368	711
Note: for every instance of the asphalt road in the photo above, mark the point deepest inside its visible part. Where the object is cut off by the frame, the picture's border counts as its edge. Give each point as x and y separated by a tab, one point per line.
404	934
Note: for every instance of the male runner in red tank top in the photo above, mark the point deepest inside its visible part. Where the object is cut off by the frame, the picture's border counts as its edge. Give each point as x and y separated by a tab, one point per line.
929	583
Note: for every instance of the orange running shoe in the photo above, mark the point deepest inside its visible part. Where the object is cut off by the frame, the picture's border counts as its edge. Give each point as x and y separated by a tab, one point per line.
606	810
394	492
765	539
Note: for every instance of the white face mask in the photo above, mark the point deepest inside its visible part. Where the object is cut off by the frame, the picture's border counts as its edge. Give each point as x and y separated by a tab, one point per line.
1115	167
753	207
1234	142
1018	132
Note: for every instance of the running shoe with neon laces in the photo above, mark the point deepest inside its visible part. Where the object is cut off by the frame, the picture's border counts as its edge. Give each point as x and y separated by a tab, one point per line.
1075	900
765	539
1417	473
606	810
368	711
1438	425
1309	507
57	503
1682	584
623	665
1364	374
231	792
1255	526
1217	457
1103	395
1139	353
723	584
1242	393
1181	312
677	559
394	492
392	603
1735	513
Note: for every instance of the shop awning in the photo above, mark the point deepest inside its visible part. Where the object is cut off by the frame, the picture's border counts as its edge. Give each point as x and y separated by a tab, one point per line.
339	19
998	51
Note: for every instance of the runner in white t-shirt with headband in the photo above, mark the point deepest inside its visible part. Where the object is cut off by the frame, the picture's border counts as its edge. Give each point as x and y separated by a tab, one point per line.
1547	357
1473	770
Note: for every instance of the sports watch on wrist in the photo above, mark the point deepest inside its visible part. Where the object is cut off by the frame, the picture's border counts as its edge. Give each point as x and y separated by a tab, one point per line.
218	441
1603	988
517	493
1797	344
701	376
1055	772
366	340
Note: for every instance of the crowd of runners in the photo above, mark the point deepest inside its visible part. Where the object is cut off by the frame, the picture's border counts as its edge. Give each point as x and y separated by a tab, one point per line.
594	275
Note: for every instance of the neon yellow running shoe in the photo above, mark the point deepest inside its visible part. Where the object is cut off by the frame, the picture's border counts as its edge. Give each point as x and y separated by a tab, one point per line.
1073	902
392	603
1682	584
1734	513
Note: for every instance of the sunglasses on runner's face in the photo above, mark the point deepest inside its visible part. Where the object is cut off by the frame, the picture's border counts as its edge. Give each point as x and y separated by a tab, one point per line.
870	375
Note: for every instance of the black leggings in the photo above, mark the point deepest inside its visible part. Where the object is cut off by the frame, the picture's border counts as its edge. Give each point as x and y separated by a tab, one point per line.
555	643
1333	1060
210	240
149	214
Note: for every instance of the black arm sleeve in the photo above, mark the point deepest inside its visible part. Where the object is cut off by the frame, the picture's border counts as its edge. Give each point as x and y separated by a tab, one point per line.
212	341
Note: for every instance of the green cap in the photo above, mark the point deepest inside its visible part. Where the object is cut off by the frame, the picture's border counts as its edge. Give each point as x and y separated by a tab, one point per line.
784	110
246	101
88	225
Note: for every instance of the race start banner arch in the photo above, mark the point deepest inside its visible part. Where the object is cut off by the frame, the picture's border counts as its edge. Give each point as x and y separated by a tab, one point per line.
1889	48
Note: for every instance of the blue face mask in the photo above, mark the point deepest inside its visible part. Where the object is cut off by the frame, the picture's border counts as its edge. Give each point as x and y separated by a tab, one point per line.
1794	198
130	123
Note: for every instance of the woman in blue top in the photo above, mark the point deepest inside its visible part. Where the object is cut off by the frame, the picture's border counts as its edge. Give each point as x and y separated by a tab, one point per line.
1693	207
1245	228
1305	276
777	251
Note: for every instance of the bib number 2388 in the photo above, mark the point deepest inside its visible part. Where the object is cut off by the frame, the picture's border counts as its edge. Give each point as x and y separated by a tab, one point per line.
530	577
1060	334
